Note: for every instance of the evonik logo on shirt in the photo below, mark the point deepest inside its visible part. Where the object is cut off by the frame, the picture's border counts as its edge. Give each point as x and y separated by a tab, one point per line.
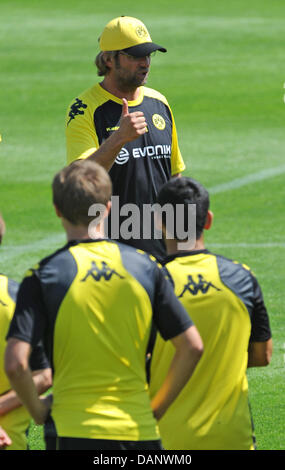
151	151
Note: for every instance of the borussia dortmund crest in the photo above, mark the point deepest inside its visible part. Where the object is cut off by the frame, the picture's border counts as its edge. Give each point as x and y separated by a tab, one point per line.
141	32
158	121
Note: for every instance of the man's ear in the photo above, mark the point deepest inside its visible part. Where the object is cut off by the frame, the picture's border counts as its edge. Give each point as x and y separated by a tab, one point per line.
209	220
108	206
57	211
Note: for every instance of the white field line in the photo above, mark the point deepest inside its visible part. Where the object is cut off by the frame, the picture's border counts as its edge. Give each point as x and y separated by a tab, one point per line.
248	245
52	242
248	179
56	240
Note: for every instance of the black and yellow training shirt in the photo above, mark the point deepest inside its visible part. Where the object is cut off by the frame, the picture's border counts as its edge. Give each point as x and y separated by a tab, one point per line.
94	302
225	302
142	166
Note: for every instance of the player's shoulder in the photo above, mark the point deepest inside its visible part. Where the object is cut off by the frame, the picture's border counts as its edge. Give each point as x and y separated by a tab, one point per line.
91	98
142	266
136	255
9	286
151	93
233	265
60	260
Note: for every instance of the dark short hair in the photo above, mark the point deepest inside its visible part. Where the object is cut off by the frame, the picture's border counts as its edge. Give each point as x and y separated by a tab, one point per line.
79	186
186	191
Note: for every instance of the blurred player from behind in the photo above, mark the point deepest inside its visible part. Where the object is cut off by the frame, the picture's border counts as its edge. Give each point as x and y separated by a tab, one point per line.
225	302
94	302
14	418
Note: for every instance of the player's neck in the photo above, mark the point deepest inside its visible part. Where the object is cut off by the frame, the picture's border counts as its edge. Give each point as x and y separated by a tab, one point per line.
81	232
111	87
175	247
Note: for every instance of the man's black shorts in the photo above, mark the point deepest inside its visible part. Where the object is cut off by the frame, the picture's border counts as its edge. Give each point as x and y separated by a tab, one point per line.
71	443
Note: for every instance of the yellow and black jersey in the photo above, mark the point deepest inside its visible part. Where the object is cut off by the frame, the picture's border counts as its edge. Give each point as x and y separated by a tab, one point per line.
94	302
142	166
17	421
227	307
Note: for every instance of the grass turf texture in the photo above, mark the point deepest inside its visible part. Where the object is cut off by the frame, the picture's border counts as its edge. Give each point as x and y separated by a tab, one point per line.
223	76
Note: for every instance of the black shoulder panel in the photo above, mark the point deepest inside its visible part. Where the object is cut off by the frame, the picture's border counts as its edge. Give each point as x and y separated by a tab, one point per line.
238	279
141	267
56	274
13	288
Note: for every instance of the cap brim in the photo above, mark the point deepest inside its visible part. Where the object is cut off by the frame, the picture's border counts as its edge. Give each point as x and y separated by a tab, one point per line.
142	50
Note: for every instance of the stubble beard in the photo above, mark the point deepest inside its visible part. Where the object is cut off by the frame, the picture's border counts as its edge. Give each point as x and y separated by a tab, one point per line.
127	82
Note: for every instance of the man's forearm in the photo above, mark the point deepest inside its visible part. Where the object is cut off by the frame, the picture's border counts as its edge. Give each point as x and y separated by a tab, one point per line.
10	400
18	371
22	382
108	151
132	125
260	353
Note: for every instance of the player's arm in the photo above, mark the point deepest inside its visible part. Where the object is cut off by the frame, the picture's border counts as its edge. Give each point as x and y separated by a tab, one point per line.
188	350
10	400
21	378
83	143
260	353
260	344
4	439
24	337
132	125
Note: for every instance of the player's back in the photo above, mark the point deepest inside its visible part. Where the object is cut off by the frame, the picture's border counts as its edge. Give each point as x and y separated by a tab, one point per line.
212	411
98	296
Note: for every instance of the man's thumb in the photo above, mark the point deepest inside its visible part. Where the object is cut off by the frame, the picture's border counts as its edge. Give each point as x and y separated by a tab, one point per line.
125	110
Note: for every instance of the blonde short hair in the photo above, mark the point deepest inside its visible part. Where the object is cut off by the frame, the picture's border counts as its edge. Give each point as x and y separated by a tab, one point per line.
77	187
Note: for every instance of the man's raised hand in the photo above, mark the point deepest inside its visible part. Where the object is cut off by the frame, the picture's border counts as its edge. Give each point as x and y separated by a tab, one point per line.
132	125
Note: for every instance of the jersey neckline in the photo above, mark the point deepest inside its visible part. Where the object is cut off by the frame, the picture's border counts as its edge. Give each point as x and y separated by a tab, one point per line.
111	97
184	253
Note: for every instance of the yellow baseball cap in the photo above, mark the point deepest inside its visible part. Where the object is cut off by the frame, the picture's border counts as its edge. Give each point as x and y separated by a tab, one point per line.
128	34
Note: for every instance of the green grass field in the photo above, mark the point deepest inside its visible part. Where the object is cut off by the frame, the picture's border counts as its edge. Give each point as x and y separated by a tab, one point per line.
223	76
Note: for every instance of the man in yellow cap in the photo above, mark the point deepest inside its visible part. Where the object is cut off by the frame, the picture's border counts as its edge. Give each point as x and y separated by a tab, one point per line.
126	127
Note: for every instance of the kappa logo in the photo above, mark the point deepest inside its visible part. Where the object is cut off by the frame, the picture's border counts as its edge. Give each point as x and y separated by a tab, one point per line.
76	108
158	121
194	287
97	273
3	303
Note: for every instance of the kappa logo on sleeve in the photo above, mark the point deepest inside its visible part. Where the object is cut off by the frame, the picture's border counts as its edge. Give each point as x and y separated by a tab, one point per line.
76	108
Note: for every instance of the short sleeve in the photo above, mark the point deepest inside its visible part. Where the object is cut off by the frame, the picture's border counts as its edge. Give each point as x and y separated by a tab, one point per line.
177	162
38	359
28	322
260	330
81	138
